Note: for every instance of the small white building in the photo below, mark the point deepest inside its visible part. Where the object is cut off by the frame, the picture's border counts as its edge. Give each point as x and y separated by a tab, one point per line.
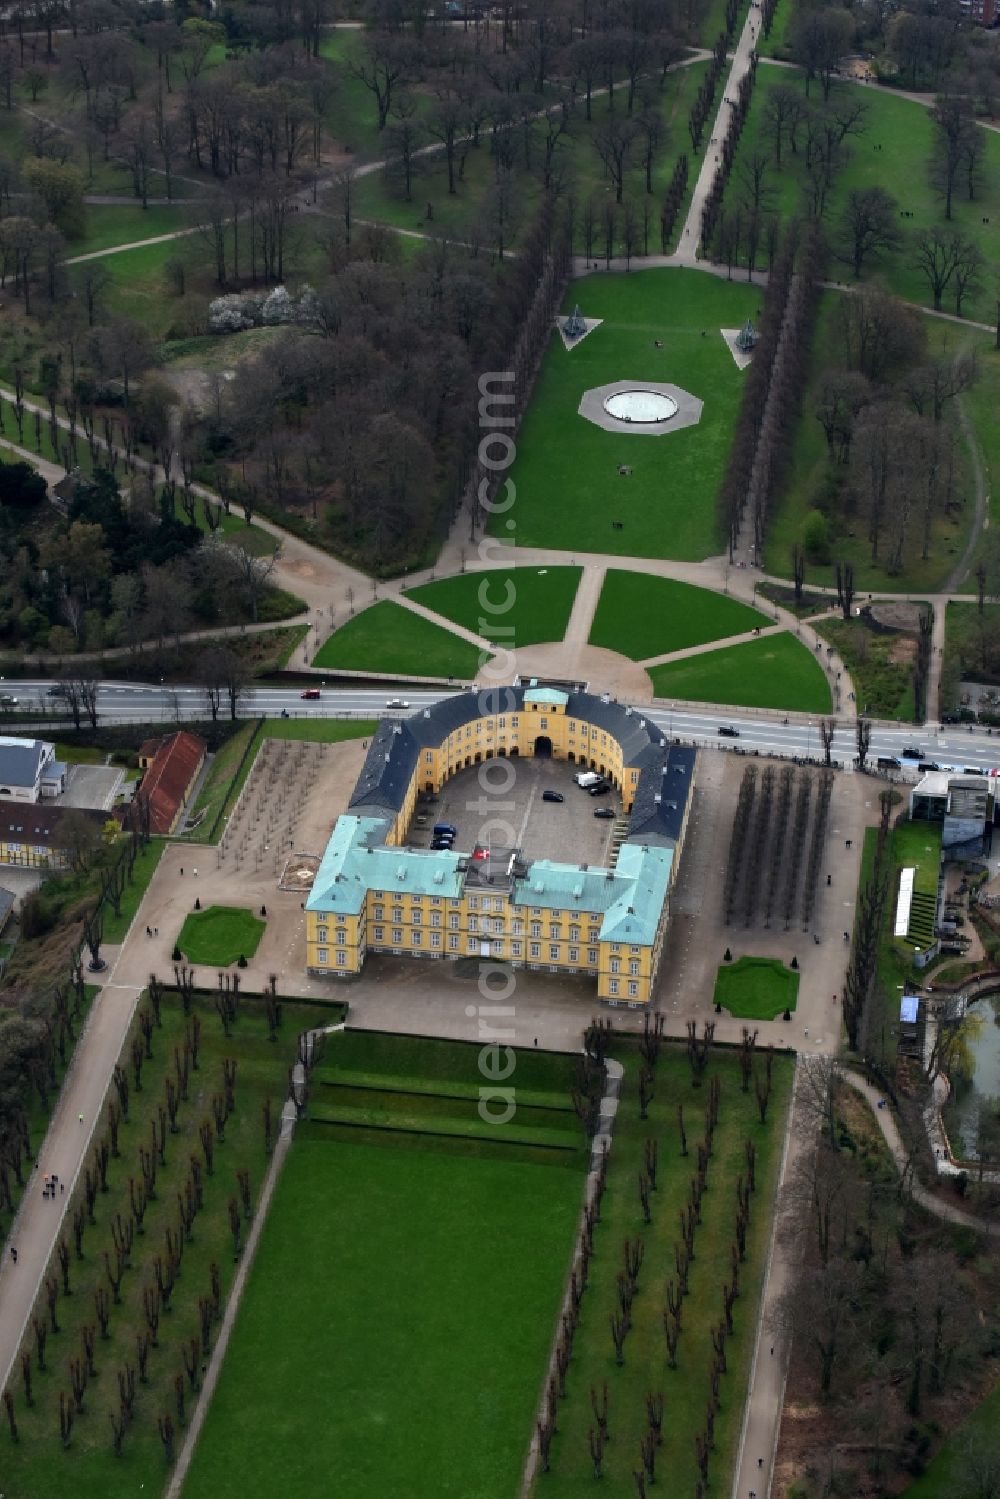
29	770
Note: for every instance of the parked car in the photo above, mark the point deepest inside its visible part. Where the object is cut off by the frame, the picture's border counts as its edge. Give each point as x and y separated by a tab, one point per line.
553	796
728	732
397	702
587	778
601	790
310	692
604	812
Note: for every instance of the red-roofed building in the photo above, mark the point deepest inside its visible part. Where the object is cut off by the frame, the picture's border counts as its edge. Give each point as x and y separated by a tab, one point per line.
172	766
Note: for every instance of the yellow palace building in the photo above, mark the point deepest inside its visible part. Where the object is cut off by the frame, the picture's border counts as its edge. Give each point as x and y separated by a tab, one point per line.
373	893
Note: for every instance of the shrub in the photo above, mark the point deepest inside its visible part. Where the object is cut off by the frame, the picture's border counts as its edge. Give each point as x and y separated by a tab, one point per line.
816	538
175	956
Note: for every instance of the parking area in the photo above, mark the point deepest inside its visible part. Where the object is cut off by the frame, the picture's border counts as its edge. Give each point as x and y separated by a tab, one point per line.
501	803
92	786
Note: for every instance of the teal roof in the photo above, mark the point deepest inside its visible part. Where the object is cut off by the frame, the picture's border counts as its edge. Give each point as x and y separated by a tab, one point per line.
546	695
357	859
629	897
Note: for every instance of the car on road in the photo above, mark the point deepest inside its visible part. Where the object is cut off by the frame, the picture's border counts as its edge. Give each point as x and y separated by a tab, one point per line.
310	692
58	690
601	790
6	701
442	844
553	796
604	812
728	732
912	752
397	702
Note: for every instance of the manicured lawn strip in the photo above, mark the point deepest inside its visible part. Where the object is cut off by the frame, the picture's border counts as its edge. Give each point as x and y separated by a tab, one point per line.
386	637
43	448
319	730
232	528
221	789
775	672
444	1127
946	1474
566	475
38	1467
217	789
143	870
883	687
439	1359
219	935
515	606
337	1077
686	1388
905	133
641	615
756	988
410	1057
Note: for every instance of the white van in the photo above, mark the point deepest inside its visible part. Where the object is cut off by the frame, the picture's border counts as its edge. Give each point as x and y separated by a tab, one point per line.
586	779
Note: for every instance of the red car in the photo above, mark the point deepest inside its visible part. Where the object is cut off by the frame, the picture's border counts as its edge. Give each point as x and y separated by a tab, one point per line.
310	692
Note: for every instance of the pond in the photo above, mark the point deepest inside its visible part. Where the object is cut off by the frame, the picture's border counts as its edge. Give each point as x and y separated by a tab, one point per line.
641	406
972	1114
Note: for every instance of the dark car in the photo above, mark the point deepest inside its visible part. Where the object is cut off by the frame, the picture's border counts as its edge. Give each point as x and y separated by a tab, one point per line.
912	752
928	765
728	732
57	691
444	830
6	701
442	845
601	790
553	796
310	692
603	812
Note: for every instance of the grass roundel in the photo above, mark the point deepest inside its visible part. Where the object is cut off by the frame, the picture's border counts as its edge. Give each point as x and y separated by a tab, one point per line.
756	988
219	935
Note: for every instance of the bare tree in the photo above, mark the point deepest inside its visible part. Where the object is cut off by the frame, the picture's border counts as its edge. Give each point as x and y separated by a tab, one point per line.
869	224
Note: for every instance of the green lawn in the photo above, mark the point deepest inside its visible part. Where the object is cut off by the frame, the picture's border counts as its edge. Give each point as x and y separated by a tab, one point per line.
905	132
410	1359
110	224
143	870
38	1467
468	214
806	487
972	648
219	935
880	665
386	637
775	672
319	730
511	606
756	988
947	1477
568	489
645	1370
641	615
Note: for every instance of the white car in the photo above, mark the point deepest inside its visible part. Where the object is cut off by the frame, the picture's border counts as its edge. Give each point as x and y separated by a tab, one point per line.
397	702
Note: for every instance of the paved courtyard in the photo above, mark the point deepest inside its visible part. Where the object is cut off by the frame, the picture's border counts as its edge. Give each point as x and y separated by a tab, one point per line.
567	831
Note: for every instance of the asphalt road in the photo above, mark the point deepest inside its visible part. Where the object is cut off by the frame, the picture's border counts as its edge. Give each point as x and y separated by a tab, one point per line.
795	736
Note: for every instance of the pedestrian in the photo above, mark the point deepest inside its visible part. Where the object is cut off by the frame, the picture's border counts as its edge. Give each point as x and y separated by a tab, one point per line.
149	931
81	1118
182	869
195	873
156	931
760	1462
62	1186
536	1040
13	1254
772	1350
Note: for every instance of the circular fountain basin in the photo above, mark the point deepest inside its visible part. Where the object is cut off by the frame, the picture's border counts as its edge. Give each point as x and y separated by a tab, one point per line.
640	406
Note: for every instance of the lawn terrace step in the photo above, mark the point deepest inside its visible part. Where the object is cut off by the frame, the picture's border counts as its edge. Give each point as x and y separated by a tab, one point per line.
439	1125
346	1077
